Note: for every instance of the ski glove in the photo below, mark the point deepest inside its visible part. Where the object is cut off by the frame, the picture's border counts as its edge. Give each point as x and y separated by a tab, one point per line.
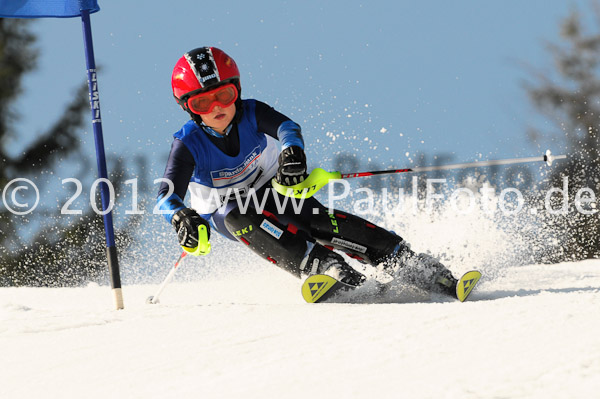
292	166
186	222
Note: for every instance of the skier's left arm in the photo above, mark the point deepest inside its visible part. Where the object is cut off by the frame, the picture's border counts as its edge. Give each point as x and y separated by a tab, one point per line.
292	160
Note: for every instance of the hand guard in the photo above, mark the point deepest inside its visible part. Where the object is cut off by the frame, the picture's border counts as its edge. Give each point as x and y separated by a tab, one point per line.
186	222
292	166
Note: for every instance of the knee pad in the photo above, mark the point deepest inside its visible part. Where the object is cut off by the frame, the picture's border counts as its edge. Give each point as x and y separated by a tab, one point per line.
282	245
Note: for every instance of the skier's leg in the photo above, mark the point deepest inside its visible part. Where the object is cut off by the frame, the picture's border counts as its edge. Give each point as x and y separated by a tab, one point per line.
342	231
357	237
287	246
372	244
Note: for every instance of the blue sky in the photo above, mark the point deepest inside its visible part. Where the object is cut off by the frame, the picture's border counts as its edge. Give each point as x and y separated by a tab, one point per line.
382	80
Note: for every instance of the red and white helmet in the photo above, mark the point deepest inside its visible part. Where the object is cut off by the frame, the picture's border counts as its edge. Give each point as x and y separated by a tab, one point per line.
202	69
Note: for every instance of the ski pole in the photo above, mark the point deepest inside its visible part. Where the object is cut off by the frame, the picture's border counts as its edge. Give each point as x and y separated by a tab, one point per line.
320	177
153	299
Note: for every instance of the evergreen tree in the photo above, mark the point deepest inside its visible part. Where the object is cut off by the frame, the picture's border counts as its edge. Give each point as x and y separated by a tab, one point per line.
570	98
44	248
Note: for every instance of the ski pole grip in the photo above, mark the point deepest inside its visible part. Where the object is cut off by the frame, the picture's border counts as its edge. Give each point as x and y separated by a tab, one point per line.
306	189
203	247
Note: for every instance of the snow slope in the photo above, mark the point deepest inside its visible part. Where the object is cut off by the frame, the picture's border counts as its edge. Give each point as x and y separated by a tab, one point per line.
531	333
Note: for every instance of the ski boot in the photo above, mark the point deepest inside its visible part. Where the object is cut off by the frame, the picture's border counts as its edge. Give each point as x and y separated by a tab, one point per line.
321	260
445	282
421	270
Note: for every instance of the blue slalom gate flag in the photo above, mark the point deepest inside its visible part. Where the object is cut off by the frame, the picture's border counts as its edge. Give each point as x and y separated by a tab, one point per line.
46	8
83	9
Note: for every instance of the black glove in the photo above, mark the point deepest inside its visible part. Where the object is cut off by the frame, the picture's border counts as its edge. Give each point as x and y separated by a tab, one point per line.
292	166
186	222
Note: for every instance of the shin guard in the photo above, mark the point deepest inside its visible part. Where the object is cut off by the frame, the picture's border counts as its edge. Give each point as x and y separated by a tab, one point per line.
357	237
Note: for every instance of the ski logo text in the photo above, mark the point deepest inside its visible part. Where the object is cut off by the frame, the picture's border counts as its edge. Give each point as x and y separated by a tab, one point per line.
334	223
306	190
243	231
94	96
271	229
348	244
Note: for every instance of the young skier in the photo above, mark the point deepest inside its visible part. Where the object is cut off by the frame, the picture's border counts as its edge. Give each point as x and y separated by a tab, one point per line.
232	147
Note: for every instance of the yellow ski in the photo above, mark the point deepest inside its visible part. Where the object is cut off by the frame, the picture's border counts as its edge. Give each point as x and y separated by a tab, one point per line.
466	284
318	287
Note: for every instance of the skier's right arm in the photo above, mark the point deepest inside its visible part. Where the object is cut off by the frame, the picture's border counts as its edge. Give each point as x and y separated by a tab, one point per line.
179	170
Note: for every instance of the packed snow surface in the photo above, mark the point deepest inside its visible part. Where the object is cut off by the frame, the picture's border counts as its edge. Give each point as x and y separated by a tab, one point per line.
531	332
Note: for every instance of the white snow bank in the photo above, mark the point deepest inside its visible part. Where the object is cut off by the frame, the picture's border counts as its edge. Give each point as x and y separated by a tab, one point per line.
531	333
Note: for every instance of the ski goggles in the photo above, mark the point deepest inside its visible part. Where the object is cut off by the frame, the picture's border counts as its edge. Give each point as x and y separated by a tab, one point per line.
203	103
